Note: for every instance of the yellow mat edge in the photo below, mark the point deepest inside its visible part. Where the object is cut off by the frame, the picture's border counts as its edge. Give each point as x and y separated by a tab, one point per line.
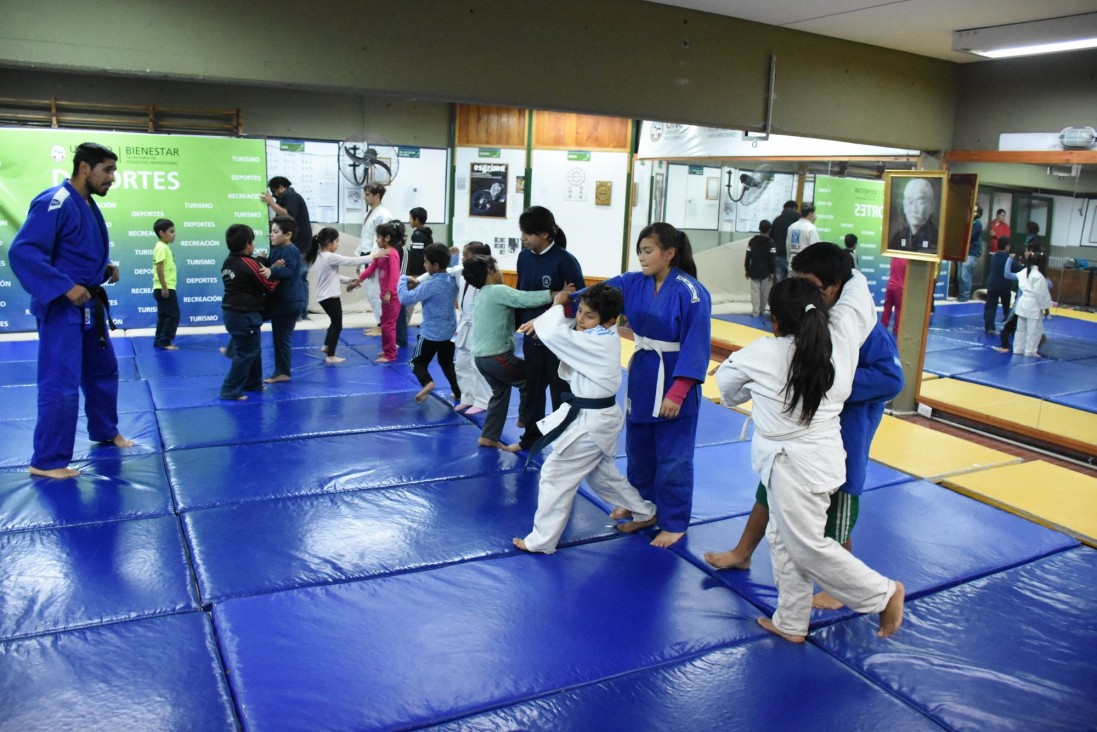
1027	515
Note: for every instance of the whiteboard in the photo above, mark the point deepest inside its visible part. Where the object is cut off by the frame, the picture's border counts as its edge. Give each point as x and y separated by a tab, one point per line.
312	168
693	197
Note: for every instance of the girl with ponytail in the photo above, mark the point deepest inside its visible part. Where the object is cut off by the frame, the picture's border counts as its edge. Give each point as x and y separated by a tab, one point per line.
323	255
799	380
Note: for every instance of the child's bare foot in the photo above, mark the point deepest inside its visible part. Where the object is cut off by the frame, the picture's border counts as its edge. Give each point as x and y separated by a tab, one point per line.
824	601
54	472
460	407
324	348
620	513
1001	350
727	560
276	379
520	424
424	392
335	359
521	544
371	331
667	538
631	527
382	359
120	441
768	625
224	352
892	616
475	410
485	442
171	347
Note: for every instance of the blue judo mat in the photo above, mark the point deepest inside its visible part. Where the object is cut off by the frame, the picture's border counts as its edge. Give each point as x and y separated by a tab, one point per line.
274	563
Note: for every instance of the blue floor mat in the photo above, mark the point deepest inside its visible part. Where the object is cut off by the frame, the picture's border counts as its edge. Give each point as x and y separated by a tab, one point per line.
25	373
254	548
105	490
472	636
958	361
17	440
945	539
1039	378
353	377
159	673
744	688
1012	651
1084	400
77	576
211	476
256	420
21	402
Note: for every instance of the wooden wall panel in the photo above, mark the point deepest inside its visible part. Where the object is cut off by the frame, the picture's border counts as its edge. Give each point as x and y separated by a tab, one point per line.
567	131
480	126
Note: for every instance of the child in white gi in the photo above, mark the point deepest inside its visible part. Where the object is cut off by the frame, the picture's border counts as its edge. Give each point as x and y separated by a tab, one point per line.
590	361
475	392
799	381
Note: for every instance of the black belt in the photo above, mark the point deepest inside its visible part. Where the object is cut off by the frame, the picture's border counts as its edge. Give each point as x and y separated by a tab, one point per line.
101	313
575	404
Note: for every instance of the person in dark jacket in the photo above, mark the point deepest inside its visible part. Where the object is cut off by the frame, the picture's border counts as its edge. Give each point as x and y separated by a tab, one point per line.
247	284
789	215
760	267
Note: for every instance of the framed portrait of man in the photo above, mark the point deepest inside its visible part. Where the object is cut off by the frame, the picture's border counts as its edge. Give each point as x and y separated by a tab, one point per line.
915	206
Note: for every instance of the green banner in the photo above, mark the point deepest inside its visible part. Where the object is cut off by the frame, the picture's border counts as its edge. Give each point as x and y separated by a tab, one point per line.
579	156
491	152
202	184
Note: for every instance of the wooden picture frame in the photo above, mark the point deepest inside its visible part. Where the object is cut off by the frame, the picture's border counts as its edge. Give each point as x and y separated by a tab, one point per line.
915	205
960	206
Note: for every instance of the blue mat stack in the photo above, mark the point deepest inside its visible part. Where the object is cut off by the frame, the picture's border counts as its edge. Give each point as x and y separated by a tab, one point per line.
332	555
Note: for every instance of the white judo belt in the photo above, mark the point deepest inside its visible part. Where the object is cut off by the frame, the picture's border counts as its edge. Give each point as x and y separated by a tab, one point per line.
660	347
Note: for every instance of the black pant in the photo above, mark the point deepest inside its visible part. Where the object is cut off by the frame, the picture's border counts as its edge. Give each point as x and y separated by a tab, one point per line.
167	318
1008	330
542	370
425	350
994	296
333	306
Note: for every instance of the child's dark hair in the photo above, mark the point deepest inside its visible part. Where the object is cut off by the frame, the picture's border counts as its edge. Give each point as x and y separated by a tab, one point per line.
607	301
826	260
1037	260
478	248
418	214
476	269
798	307
161	226
278	181
806	211
238	236
1032	227
764	226
287	224
850	241
91	153
437	254
376	189
539	220
393	231
320	240
669	237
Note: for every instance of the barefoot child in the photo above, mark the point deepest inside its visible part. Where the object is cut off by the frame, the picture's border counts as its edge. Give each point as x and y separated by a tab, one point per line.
878	379
583	431
493	340
798	381
323	256
437	292
475	392
386	260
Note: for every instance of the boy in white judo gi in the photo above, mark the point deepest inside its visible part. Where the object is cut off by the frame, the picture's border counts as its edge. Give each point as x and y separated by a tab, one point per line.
583	431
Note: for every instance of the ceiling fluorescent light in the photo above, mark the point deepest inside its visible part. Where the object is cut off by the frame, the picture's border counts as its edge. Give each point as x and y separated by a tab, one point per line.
1025	39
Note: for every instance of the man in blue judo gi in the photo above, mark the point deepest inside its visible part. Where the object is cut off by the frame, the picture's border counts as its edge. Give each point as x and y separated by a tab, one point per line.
62	257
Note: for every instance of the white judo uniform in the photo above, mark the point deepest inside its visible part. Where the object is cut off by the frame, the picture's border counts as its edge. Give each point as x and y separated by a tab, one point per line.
475	391
801	465
372	285
590	361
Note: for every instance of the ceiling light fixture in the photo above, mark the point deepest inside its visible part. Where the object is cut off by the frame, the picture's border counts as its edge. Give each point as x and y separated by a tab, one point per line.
1026	39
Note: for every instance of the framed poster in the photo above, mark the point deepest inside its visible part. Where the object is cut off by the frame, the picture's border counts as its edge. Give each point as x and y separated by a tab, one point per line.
960	207
914	207
488	190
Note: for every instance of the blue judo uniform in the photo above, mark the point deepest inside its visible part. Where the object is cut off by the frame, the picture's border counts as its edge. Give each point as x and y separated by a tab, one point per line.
673	333
64	243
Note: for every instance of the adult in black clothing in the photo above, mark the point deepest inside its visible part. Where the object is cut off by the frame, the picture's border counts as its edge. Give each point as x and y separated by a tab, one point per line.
998	289
789	215
285	201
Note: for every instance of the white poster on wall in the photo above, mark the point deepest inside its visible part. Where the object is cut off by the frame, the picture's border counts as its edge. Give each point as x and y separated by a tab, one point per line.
766	204
667	140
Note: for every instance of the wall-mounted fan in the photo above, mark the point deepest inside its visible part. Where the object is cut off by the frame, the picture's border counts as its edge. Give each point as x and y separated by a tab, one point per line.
753	185
366	160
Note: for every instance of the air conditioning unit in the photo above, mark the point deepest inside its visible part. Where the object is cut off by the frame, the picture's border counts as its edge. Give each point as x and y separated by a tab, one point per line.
1064	171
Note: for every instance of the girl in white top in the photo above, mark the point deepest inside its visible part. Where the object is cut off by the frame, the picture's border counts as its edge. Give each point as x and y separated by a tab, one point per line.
475	392
799	381
323	257
377	215
1033	301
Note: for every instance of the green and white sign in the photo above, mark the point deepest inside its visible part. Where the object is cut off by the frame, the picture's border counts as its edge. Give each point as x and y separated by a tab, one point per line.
202	184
